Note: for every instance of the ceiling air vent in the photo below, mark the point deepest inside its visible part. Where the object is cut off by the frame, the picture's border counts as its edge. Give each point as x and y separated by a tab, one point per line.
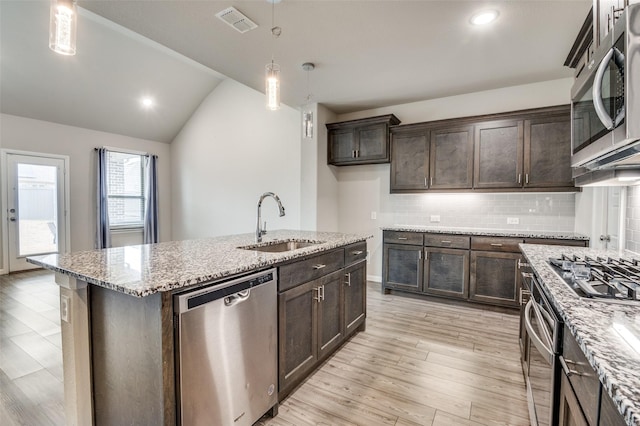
234	18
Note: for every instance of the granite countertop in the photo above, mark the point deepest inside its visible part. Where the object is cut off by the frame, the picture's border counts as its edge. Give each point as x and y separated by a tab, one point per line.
146	269
591	323
488	232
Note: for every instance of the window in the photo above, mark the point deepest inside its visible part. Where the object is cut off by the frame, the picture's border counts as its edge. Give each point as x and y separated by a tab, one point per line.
125	189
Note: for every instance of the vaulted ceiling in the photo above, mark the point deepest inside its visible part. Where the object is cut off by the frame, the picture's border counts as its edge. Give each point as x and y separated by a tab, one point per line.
368	53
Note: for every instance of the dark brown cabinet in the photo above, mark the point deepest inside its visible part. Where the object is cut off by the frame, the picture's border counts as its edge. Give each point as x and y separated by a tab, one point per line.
316	312
570	411
364	141
498	154
446	272
410	162
451	158
609	414
355	297
517	151
446	265
547	152
402	267
495	277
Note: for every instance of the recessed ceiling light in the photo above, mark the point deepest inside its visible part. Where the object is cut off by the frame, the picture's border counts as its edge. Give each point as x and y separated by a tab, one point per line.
146	102
485	17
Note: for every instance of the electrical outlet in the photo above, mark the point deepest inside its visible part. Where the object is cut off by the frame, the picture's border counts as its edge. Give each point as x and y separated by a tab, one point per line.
374	215
65	307
513	221
435	218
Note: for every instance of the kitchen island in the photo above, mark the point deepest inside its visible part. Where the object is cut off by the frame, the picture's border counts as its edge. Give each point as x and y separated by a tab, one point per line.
118	318
591	323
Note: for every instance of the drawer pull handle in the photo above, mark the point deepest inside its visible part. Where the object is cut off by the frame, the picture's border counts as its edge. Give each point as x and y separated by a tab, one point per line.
445	242
496	245
402	238
357	252
569	372
319	266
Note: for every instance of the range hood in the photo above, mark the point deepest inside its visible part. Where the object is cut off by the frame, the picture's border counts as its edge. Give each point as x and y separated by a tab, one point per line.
609	177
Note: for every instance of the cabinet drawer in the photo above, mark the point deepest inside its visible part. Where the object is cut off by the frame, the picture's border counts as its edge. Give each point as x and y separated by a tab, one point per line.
309	269
555	242
503	244
401	237
447	241
583	378
355	252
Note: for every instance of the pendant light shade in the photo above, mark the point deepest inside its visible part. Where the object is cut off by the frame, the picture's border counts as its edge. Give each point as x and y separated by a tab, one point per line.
307	113
62	26
272	88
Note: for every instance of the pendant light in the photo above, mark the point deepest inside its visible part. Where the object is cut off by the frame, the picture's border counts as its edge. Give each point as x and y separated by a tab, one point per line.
63	20
307	113
272	83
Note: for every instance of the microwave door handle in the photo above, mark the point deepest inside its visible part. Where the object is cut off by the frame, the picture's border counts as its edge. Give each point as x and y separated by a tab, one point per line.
618	58
604	117
537	342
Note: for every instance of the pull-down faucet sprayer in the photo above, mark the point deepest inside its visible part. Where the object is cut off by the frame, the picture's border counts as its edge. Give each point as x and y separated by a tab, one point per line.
259	230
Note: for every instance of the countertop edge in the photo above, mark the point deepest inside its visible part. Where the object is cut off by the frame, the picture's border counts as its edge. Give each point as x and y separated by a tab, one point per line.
550	235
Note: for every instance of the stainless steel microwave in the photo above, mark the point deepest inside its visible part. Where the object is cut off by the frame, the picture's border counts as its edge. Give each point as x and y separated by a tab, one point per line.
605	101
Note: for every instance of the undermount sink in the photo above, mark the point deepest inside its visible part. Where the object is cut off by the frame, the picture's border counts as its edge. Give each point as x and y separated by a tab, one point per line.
281	246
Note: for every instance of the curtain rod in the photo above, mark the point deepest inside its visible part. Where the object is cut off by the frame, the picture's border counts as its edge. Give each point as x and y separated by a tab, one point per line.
123	150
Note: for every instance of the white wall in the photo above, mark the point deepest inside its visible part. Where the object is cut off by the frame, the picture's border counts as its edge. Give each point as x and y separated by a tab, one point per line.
25	134
230	151
365	189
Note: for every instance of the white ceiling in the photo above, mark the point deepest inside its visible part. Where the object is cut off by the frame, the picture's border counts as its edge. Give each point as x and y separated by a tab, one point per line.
367	54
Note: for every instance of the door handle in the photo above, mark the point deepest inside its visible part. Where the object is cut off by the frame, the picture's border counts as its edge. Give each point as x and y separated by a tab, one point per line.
607	121
317	296
569	372
348	282
321	288
234	299
12	219
522	264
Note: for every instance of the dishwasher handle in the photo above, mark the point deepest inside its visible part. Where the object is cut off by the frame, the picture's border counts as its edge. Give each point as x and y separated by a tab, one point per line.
239	297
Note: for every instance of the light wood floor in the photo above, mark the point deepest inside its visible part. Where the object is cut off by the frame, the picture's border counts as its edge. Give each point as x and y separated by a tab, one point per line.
418	363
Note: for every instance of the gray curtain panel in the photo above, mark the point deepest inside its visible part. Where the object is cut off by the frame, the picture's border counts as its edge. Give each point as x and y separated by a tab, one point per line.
103	236
151	201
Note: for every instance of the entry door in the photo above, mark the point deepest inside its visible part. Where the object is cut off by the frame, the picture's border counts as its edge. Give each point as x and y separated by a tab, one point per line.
35	208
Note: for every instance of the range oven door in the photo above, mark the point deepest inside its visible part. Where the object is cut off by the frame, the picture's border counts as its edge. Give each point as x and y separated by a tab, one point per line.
542	331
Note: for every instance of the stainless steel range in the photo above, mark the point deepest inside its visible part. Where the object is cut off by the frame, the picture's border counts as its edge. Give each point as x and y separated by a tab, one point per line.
605	279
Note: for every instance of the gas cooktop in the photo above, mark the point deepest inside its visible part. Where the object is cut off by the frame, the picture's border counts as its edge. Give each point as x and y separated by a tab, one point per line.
605	279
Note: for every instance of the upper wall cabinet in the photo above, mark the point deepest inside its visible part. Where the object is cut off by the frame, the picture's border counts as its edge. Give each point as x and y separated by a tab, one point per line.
519	151
364	141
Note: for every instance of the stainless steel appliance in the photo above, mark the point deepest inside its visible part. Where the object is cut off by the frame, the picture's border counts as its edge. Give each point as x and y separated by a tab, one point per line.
542	345
605	107
226	337
604	279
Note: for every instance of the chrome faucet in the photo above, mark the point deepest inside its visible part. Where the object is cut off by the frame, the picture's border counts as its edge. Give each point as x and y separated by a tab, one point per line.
259	230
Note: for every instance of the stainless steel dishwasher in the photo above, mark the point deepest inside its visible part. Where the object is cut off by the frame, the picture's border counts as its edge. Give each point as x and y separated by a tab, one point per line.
226	351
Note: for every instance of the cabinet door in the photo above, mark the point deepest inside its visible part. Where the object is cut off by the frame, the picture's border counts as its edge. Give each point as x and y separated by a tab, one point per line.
372	143
494	278
355	296
297	334
451	158
409	162
402	267
330	312
570	411
446	272
342	146
609	414
498	154
547	152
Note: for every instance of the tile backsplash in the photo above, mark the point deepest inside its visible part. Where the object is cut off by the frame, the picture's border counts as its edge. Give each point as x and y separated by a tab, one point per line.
537	212
632	225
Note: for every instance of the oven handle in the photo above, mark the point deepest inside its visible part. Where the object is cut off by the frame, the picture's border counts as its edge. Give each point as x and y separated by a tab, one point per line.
544	350
598	104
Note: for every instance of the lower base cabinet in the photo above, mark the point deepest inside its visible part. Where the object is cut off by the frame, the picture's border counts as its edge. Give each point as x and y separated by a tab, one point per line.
446	272
314	319
403	267
570	411
495	278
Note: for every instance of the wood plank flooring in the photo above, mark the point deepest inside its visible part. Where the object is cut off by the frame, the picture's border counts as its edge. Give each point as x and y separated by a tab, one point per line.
418	363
